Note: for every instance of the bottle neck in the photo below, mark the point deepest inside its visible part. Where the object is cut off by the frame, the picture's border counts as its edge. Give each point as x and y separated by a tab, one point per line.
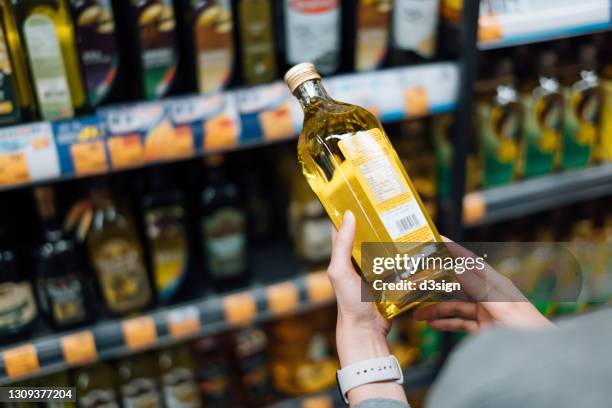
309	92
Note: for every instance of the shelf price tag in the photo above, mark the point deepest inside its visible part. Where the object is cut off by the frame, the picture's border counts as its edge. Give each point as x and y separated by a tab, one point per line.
13	169
416	101
318	401
282	297
240	308
126	151
184	321
139	332
474	208
489	28
20	361
318	287
80	146
88	158
79	348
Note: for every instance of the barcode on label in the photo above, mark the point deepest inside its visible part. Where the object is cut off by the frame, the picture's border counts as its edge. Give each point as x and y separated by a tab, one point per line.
403	219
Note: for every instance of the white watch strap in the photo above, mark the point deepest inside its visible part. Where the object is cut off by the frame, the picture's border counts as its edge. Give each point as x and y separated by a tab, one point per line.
381	369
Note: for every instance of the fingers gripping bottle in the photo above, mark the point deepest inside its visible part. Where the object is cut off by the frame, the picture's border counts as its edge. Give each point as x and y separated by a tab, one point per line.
350	164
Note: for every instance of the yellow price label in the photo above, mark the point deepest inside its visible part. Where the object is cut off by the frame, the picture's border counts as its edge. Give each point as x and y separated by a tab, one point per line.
489	28
318	287
240	308
126	151
318	401
13	169
277	124
139	332
184	321
88	158
20	361
416	102
220	132
282	297
79	348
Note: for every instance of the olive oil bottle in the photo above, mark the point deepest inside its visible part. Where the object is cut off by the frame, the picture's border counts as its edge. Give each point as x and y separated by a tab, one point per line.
372	28
258	58
16	99
48	35
337	142
97	44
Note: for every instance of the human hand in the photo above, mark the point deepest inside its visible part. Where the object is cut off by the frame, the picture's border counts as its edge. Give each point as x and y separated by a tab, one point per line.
482	286
361	331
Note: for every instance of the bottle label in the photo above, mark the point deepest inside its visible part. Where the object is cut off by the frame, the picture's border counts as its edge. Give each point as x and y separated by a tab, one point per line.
168	240
499	138
542	132
141	392
122	275
312	32
157	30
214	45
17	307
100	398
372	33
63	298
605	146
580	124
48	70
316	236
8	101
215	383
180	389
95	30
378	171
258	59
225	242
415	23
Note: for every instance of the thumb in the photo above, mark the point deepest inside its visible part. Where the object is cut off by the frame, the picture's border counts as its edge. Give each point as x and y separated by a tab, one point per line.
342	244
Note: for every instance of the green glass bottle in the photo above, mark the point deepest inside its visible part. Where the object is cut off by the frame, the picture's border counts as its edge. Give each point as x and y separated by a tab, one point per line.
257	41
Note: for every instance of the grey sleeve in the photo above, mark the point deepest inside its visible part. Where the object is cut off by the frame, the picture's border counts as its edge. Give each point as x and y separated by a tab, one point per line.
381	403
566	366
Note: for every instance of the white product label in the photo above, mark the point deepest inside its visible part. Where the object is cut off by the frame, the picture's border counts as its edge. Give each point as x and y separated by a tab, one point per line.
317	239
403	220
48	70
382	177
415	24
312	31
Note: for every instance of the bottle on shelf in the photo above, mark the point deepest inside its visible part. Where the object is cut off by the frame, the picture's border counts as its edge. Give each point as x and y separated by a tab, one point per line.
95	386
48	35
116	255
258	206
177	374
312	30
603	147
16	99
61	276
253	366
17	305
414	29
94	25
138	382
168	246
257	41
149	49
336	142
372	33
542	103
583	98
210	37
499	120
224	228
214	371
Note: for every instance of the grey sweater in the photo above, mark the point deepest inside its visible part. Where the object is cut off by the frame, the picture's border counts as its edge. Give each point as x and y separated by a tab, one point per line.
567	366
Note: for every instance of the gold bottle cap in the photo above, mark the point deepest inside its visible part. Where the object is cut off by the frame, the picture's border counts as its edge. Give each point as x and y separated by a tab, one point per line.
299	74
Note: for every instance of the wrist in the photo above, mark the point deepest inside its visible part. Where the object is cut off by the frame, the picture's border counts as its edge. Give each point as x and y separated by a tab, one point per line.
355	344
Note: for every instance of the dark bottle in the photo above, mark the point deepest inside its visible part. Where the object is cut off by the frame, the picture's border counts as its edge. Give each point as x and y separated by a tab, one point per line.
414	28
177	374
149	48
117	256
94	25
17	304
95	386
214	371
259	217
224	228
61	283
254	367
167	243
138	382
371	33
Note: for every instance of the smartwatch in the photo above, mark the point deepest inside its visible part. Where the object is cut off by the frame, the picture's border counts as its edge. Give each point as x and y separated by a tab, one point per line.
383	369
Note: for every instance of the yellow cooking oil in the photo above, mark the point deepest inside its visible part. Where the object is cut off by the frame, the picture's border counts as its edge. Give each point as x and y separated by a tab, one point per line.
350	164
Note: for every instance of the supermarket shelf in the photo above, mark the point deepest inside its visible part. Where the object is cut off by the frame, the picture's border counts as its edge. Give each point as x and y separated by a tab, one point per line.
539	194
415	378
543	22
120	337
135	135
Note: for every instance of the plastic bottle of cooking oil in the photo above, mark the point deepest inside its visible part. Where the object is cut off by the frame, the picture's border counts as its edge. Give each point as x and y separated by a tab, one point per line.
350	164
